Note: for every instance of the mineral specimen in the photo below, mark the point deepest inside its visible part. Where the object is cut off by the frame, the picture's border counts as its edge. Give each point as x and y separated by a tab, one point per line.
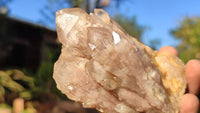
103	67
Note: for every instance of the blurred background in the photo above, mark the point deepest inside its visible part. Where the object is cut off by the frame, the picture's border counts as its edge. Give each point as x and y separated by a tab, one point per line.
29	46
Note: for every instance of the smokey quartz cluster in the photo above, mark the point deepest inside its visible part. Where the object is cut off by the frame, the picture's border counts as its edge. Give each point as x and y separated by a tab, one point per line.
103	67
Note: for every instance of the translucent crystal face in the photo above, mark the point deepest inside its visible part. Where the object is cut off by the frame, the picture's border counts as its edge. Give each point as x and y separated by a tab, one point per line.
104	68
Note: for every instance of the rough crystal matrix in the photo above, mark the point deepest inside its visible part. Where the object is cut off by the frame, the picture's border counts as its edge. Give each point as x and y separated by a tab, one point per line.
103	67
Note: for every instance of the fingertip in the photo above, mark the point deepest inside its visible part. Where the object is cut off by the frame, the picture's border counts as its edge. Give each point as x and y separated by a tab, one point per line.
192	70
169	50
193	65
189	104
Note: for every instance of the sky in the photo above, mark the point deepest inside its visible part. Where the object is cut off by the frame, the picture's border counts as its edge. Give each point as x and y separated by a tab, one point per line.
159	16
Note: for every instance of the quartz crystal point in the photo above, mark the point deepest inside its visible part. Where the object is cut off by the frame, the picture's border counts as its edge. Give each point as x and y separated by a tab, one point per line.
103	67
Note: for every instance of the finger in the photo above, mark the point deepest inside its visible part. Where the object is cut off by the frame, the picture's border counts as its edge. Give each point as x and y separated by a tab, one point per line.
169	50
192	70
189	104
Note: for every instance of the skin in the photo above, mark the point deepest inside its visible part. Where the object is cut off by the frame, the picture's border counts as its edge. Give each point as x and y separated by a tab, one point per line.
190	102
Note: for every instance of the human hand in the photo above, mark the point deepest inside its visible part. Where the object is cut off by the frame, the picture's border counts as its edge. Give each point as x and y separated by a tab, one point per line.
190	102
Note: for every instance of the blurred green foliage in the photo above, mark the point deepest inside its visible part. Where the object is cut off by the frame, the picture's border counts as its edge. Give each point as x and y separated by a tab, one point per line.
14	82
37	87
3	105
189	34
76	3
44	78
